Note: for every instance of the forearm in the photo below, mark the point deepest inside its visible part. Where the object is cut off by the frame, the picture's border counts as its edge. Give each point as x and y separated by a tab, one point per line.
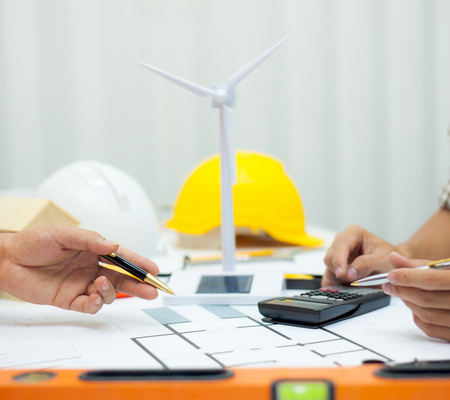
432	240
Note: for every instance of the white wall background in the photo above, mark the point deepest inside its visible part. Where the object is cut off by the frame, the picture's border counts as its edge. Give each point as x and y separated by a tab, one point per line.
356	104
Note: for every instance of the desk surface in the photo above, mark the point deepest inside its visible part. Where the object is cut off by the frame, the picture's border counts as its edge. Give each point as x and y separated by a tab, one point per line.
135	334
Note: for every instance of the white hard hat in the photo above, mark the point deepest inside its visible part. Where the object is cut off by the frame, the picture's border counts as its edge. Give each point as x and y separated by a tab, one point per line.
105	200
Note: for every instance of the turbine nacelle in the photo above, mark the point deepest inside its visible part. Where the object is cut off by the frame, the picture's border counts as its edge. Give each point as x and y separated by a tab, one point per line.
223	95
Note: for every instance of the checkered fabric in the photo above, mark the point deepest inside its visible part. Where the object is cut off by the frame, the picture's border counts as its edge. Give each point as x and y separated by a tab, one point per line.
444	194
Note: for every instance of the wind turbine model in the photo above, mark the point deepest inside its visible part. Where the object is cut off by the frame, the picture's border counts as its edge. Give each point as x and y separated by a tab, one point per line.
222	97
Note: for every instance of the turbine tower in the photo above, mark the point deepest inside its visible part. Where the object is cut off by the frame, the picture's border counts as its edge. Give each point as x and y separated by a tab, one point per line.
222	97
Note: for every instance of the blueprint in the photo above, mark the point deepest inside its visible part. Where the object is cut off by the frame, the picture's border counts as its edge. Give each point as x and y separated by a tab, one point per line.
133	333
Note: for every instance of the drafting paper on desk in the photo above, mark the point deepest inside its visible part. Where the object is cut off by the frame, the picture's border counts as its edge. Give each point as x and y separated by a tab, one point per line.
394	333
136	334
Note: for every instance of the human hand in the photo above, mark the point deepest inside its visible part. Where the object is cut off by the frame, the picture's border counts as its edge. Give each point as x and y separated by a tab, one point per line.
354	254
59	265
426	292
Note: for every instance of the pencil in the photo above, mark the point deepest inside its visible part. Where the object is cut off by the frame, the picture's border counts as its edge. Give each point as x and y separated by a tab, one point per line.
138	272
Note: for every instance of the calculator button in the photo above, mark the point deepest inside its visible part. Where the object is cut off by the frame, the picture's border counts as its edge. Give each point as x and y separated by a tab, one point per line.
319	297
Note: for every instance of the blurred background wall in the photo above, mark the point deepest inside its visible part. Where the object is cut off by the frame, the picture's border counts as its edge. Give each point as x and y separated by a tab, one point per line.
356	104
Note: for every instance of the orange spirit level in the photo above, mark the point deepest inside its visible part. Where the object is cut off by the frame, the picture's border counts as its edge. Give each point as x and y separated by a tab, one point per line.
342	383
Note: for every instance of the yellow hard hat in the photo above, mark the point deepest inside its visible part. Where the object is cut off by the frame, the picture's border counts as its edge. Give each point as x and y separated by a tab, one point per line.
264	198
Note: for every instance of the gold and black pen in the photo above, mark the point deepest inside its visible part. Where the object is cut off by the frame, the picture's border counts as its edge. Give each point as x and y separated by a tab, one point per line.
138	272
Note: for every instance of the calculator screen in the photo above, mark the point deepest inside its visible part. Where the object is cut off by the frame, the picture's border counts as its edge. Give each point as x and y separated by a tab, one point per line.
225	284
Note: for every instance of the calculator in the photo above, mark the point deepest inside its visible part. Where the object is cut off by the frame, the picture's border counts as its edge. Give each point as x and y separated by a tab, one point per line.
317	308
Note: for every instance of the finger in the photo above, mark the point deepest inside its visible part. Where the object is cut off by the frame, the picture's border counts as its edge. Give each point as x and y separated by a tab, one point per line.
399	261
129	285
137	288
90	289
336	258
431	316
433	331
105	289
360	267
422	298
346	248
329	279
372	263
87	304
72	237
143	291
427	279
142	262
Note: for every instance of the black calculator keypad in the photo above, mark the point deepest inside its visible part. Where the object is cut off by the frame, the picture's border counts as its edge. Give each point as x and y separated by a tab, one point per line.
338	293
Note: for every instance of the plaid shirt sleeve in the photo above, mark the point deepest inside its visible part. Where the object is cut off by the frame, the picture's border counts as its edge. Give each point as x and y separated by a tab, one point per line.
444	194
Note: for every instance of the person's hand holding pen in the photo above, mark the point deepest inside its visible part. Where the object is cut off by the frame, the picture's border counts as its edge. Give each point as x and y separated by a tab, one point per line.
59	265
357	253
426	292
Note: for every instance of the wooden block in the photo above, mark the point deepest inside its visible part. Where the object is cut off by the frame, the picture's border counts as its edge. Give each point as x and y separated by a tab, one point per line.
19	213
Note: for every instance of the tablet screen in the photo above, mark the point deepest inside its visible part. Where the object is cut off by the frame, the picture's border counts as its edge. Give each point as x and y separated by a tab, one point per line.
225	284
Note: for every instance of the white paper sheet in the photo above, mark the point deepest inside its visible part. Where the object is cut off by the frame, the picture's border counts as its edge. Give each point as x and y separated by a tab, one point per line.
133	333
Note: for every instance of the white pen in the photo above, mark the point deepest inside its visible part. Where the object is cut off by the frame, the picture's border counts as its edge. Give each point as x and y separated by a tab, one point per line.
382	278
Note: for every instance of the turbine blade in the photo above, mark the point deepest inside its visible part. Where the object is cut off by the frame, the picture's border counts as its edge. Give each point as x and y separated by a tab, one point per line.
227	116
234	79
193	87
